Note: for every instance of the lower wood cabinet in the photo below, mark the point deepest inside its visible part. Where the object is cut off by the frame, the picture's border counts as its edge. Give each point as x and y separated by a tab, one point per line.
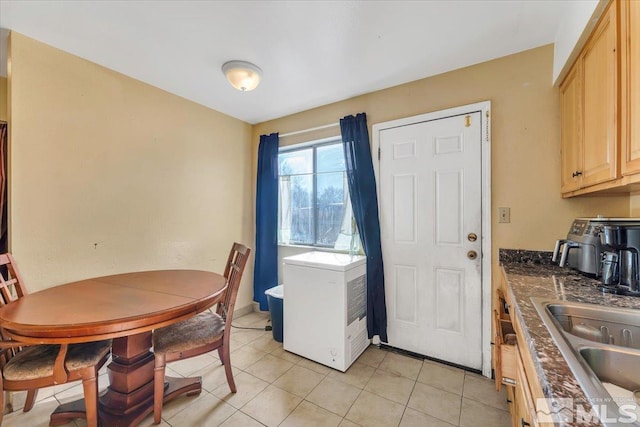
506	349
511	400
524	404
514	363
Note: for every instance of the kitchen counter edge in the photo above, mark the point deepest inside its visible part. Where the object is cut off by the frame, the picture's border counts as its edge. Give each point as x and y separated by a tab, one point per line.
531	274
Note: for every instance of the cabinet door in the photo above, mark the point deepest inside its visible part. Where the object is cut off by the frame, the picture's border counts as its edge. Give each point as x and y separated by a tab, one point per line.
524	404
630	74
571	144
511	400
522	417
599	68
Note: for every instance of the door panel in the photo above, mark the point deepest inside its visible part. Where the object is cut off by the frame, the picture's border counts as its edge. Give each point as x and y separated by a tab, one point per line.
406	293
449	299
448	205
430	200
404	211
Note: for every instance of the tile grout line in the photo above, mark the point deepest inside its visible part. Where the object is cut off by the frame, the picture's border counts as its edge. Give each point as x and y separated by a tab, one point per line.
480	401
410	394
258	344
361	390
273	384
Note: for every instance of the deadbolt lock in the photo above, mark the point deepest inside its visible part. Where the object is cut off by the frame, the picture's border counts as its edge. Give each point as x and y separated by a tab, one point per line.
472	254
472	237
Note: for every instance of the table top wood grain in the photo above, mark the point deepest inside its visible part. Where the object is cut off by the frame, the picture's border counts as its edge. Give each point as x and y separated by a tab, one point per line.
111	306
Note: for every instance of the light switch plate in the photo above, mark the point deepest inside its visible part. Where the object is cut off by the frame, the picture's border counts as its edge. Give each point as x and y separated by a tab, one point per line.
504	215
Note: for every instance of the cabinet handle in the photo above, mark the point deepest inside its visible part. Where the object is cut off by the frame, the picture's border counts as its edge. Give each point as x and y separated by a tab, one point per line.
509	401
523	423
576	173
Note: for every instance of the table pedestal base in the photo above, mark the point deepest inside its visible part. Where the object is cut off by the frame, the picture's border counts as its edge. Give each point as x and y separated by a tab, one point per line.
129	398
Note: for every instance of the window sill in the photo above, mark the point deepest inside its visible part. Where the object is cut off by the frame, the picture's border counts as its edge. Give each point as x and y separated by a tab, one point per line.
315	248
318	248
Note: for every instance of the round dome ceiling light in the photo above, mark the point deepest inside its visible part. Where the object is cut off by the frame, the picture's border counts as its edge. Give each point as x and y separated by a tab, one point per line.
242	75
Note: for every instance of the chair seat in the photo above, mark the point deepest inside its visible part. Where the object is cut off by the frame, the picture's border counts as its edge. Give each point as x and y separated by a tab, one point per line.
38	361
204	328
205	332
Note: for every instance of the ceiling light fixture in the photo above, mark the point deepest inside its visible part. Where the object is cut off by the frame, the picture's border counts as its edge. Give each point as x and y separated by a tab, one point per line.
242	75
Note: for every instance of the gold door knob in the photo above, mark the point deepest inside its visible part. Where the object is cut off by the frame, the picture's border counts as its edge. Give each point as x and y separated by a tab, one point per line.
472	254
472	237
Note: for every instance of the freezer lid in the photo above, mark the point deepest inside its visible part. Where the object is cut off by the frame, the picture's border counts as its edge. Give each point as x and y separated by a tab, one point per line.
326	260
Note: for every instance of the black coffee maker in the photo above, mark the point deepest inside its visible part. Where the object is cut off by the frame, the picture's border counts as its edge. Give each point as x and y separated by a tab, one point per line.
619	265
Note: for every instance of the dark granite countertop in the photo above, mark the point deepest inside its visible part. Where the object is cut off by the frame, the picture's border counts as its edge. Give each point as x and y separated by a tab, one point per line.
531	274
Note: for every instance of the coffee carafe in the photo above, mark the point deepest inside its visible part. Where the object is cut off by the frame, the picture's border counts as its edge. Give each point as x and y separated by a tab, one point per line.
609	269
619	265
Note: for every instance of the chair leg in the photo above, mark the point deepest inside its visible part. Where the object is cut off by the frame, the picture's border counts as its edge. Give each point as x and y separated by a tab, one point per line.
158	386
31	399
227	367
90	386
221	355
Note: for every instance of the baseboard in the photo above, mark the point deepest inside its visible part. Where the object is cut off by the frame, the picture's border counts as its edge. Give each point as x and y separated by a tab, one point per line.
256	308
251	308
241	311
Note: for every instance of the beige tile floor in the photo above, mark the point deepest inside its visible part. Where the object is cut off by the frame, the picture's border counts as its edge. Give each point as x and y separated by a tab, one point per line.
277	388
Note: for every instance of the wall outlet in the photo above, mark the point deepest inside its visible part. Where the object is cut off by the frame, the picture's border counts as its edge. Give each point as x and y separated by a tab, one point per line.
504	215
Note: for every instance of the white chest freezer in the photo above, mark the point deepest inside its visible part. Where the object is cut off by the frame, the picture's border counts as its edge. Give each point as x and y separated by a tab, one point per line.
325	307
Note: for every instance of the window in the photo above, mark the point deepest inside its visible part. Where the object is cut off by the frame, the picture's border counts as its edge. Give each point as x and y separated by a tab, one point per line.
315	208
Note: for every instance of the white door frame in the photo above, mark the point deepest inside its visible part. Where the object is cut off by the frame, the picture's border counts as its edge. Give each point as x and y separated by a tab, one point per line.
485	108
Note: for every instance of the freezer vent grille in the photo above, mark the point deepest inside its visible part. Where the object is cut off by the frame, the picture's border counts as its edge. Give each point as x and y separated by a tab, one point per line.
358	344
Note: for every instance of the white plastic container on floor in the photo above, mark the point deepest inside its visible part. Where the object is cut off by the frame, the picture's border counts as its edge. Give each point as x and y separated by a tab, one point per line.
325	307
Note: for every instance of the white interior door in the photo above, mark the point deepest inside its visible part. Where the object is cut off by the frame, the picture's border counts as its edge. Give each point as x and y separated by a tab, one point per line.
430	217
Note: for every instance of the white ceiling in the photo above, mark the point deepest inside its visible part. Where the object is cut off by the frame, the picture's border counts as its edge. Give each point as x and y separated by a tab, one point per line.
311	52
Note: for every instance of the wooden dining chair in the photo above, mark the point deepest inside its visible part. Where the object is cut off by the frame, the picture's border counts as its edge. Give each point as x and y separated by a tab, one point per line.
200	334
30	367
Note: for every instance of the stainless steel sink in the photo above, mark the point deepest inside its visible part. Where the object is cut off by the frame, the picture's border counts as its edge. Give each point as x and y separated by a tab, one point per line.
597	323
616	366
601	345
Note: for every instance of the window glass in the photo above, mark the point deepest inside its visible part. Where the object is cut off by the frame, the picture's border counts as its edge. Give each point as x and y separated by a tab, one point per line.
330	158
302	209
295	162
314	205
330	204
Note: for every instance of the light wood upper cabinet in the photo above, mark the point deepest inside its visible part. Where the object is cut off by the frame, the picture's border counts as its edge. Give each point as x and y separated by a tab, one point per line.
600	105
600	135
630	87
571	110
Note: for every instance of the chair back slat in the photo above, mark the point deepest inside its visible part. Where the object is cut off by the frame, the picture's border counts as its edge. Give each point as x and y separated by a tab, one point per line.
233	273
11	283
11	289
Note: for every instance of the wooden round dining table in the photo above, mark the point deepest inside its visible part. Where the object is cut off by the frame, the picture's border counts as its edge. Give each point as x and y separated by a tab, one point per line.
124	307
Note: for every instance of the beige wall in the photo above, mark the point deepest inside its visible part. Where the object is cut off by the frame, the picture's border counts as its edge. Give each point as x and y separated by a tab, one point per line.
525	142
3	99
109	174
634	205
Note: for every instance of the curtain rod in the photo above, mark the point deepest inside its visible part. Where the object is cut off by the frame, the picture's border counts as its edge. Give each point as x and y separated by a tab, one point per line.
283	135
